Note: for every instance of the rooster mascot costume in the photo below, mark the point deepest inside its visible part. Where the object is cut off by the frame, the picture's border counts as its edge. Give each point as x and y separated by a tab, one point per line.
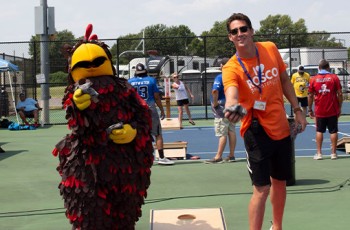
105	161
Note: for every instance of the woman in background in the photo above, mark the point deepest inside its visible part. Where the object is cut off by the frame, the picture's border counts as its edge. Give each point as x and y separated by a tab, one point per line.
181	95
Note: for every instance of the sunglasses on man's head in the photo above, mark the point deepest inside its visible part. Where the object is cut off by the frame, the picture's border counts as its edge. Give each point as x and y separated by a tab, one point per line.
243	29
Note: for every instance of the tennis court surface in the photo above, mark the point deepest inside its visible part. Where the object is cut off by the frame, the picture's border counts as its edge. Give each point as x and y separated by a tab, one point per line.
320	198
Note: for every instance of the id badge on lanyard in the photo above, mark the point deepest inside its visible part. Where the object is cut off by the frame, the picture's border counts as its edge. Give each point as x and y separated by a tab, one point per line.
260	105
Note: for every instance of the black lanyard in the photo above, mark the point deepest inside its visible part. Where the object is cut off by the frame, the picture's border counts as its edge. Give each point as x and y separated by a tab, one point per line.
246	72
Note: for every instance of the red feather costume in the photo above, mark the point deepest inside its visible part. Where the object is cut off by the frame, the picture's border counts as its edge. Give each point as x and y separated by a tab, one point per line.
104	184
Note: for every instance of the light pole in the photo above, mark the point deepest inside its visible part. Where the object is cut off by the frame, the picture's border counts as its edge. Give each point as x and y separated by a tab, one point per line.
44	65
44	25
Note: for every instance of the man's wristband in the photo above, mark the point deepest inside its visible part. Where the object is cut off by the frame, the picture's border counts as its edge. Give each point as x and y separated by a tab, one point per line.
297	109
309	110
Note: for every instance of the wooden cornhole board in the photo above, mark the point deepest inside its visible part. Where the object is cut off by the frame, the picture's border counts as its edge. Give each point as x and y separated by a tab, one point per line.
170	124
188	219
176	149
344	142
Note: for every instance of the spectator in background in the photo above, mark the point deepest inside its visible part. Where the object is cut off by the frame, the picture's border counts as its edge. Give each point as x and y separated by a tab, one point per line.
326	91
181	94
224	129
300	81
146	87
28	107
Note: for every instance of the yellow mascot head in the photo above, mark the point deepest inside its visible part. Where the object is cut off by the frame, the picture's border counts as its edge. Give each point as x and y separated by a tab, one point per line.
90	58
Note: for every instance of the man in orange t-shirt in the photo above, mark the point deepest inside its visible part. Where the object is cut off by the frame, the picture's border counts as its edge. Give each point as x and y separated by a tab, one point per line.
255	78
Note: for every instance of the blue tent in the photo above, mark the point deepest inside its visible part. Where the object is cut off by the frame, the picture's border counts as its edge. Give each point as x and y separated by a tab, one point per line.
6	66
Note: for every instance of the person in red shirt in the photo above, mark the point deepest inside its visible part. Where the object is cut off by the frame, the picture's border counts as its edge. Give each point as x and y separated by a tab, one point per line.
326	91
255	79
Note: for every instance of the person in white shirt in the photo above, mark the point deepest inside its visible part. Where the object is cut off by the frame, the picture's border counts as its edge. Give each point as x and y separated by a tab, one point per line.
181	95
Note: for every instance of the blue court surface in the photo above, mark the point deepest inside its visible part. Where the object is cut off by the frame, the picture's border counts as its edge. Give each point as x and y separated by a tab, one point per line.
202	141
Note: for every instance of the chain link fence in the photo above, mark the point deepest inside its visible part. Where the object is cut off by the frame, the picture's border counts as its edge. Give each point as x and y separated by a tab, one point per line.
196	59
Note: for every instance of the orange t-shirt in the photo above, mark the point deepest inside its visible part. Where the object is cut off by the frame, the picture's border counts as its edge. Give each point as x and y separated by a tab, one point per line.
273	119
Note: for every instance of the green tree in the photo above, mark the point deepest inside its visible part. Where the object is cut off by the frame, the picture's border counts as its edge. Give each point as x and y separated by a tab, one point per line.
182	44
280	29
57	60
217	42
286	33
174	40
323	39
55	50
126	46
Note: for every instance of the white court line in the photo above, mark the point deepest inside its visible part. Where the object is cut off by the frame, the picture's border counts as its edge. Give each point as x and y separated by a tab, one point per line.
188	129
343	124
345	134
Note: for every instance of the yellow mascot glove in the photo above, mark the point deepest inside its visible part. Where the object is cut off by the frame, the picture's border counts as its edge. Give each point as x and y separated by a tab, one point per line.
123	135
81	100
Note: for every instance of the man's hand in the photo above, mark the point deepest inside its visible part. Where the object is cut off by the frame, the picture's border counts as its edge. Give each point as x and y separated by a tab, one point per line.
311	114
81	100
235	113
123	135
162	115
301	119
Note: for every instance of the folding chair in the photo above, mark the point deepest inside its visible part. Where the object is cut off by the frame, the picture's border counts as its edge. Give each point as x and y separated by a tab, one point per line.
30	117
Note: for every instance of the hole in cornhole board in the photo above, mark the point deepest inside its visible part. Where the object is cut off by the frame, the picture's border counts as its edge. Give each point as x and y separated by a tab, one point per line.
188	219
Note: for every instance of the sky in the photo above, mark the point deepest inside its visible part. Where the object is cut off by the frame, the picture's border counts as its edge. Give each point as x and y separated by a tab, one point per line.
114	18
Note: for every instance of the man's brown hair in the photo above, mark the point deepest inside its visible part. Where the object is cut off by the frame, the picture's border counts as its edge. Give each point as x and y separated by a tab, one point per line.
324	64
240	17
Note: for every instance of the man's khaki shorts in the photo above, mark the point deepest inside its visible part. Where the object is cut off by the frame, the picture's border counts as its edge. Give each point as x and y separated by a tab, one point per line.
222	126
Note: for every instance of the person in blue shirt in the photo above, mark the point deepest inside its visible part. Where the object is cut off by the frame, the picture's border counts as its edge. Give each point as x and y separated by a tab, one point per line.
223	127
146	87
28	107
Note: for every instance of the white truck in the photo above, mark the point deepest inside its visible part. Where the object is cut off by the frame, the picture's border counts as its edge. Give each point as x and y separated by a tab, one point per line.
128	71
342	73
123	71
182	63
311	56
160	66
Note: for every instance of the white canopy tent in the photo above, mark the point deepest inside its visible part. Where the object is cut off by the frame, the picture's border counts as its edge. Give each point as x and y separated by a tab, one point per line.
6	66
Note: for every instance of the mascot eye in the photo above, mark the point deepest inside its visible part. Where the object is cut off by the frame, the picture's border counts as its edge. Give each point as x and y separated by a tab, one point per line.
87	64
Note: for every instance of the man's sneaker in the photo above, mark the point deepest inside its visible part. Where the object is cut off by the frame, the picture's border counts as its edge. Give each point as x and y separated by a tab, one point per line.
165	161
334	156
1	150
318	156
230	159
214	161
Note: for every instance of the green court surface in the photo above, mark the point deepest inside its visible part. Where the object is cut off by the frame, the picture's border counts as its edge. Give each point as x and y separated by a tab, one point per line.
30	200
